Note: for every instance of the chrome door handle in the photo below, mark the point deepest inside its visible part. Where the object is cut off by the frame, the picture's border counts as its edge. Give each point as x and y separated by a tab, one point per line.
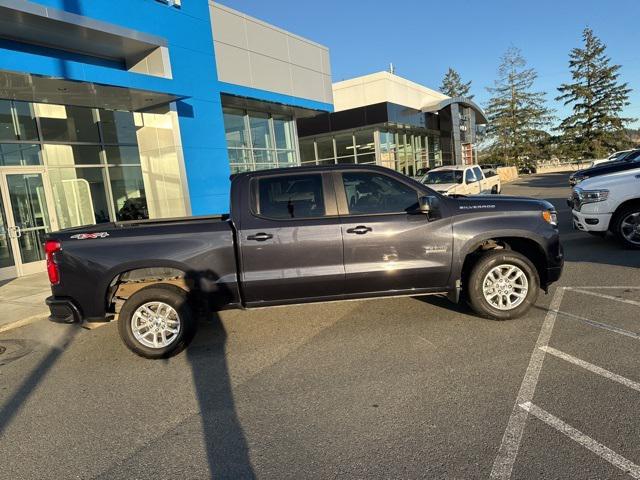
260	237
360	230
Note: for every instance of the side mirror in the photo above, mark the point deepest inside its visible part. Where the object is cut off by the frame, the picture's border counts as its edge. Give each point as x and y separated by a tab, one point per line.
424	205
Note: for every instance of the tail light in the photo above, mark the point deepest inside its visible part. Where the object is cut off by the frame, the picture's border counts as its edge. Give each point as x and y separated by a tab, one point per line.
51	247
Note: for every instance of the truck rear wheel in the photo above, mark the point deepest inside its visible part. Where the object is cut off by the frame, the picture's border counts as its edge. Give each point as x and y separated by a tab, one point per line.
156	321
503	285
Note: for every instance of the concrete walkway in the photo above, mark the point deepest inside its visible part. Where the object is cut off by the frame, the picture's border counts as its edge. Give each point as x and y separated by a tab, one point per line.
22	300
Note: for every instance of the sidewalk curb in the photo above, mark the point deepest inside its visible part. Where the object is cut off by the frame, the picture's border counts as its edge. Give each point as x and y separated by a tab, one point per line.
24	321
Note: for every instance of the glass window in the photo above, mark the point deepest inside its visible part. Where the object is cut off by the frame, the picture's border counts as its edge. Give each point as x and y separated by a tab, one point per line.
307	149
234	128
364	143
344	145
260	131
19	154
127	187
27	129
264	157
368	158
7	130
79	195
478	172
240	160
286	159
118	127
122	155
325	147
283	131
441	177
292	196
373	193
67	124
70	155
470	177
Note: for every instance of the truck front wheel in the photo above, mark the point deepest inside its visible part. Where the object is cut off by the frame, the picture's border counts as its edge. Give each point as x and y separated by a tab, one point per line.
626	226
156	321
503	284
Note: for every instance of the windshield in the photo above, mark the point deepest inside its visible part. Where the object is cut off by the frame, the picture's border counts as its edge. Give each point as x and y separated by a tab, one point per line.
443	176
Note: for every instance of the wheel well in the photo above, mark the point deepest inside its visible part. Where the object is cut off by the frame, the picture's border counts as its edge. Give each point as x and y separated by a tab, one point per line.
628	203
529	248
129	282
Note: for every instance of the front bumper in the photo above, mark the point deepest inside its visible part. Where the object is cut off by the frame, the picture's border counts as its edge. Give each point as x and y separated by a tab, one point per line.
63	310
591	222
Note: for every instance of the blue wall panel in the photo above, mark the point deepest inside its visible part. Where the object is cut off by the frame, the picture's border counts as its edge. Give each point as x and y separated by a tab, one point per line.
187	31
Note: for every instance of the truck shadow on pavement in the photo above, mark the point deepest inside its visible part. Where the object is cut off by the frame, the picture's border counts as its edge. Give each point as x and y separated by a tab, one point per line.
225	442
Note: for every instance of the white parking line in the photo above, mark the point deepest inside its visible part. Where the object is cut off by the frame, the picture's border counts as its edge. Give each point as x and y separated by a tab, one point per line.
503	463
592	368
605	287
608	297
604	326
576	435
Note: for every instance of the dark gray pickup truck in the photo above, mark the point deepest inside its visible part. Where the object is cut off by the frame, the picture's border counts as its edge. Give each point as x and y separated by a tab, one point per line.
298	235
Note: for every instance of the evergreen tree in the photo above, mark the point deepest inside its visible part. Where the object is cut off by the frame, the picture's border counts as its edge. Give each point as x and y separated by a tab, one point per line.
518	115
453	86
595	126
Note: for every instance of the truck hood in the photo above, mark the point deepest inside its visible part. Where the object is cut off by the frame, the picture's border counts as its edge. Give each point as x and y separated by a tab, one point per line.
500	203
604	168
611	179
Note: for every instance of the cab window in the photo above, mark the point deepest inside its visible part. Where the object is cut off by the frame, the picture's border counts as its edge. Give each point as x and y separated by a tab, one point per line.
371	193
470	176
290	196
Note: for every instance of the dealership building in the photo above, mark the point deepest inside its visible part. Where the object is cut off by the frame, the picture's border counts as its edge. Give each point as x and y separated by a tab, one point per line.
129	109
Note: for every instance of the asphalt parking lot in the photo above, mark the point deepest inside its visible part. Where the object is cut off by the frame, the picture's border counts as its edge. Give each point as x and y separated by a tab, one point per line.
389	388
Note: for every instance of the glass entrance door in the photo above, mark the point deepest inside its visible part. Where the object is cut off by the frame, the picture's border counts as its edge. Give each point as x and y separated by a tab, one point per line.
28	218
7	263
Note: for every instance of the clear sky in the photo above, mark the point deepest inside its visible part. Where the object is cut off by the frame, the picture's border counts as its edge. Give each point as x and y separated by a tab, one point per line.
423	38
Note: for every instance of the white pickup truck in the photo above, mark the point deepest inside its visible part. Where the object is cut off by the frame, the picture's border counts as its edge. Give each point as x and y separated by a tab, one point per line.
462	180
609	203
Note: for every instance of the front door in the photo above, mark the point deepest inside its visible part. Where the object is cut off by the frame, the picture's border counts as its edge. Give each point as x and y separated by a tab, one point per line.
388	246
25	218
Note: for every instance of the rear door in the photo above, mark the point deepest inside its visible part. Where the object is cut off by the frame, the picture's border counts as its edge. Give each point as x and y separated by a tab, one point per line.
290	239
388	247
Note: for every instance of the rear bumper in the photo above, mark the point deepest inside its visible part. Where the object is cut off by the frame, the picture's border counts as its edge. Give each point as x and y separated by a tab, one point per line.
63	310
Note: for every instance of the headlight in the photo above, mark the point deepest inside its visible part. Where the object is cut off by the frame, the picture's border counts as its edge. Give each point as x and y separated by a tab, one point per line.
551	217
582	197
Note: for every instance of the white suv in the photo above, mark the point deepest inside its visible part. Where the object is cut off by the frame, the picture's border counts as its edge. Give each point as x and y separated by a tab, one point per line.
609	203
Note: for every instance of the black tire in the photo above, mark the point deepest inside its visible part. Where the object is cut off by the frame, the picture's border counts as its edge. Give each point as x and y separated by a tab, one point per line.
494	190
170	295
616	224
487	262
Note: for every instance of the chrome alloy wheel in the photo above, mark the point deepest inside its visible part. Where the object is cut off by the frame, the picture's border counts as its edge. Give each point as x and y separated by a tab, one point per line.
155	324
630	228
505	287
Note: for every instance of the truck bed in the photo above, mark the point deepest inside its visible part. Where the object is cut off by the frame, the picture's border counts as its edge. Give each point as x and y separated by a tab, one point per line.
202	248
